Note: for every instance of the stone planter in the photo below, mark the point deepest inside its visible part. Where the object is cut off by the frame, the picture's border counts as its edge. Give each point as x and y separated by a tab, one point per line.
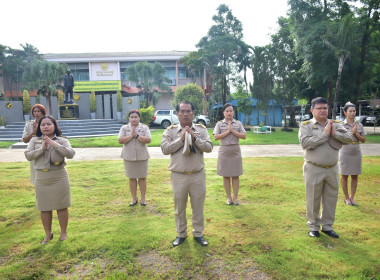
93	116
26	117
118	114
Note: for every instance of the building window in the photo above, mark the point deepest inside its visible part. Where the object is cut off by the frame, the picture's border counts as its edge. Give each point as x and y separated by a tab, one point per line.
171	75
80	71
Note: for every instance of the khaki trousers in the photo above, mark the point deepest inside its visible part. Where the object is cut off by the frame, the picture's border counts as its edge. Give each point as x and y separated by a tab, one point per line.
322	185
183	186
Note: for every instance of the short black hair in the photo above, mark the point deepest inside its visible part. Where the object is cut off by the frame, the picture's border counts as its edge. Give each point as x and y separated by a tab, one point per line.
57	130
318	100
134	111
184	102
226	106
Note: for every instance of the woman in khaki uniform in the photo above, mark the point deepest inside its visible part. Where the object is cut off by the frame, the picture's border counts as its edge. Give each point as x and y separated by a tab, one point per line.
350	156
135	153
52	186
230	164
30	129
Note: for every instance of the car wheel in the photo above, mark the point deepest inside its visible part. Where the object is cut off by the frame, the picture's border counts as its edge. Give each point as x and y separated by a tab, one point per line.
201	122
165	124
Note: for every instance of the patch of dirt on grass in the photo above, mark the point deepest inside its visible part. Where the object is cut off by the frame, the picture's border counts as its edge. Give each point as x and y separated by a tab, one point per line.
212	267
156	263
89	269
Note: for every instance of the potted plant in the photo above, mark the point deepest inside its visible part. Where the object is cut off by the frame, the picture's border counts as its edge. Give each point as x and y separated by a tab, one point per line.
119	104
92	104
26	104
2	122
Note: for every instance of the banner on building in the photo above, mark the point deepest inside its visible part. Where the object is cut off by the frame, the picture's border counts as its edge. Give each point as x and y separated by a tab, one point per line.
88	86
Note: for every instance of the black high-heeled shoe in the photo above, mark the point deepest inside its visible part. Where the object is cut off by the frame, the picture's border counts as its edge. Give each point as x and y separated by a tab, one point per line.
133	203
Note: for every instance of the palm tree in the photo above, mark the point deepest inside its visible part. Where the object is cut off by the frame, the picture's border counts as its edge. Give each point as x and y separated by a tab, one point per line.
44	76
149	78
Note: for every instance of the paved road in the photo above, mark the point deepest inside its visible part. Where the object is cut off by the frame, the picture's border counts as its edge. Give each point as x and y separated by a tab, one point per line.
291	150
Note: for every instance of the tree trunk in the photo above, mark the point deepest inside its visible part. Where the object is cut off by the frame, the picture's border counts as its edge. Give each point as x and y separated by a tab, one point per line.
329	97
337	87
362	60
146	99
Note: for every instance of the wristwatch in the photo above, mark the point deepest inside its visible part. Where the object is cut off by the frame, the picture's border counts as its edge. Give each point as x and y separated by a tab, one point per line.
137	136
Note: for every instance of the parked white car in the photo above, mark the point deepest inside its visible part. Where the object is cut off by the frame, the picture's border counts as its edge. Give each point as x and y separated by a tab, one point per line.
168	117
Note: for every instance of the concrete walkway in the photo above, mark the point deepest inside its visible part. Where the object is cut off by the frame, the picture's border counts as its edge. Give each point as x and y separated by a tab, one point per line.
291	150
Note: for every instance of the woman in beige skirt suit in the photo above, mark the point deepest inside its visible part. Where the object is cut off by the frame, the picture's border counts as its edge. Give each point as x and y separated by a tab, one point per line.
135	137
48	150
350	156
30	129
230	164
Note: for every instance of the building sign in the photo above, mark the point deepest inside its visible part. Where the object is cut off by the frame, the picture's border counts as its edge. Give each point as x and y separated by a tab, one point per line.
88	86
105	71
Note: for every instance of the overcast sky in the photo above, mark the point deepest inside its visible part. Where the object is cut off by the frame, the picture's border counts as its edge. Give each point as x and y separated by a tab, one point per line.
130	25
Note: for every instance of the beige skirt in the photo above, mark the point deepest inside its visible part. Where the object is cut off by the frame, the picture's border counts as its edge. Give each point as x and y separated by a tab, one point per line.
52	189
230	163
350	160
136	169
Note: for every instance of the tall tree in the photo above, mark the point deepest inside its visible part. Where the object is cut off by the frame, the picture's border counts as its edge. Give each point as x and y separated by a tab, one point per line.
149	78
262	86
45	77
288	84
222	46
369	20
309	21
341	40
14	61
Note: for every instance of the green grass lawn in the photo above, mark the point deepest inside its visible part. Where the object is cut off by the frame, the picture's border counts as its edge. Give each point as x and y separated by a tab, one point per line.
266	235
277	137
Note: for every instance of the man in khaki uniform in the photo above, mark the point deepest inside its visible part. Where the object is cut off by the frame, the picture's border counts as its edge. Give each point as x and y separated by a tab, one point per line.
321	139
186	143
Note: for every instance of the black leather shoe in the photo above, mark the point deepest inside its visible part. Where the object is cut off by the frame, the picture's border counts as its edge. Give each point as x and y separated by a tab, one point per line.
201	241
178	240
314	233
331	233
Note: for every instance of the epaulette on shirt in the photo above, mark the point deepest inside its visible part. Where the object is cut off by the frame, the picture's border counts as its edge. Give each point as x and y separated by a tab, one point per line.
171	126
200	125
336	121
305	122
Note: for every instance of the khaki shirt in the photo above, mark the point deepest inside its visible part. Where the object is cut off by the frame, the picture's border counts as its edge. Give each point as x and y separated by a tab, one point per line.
28	128
360	130
320	148
53	157
172	144
230	139
135	150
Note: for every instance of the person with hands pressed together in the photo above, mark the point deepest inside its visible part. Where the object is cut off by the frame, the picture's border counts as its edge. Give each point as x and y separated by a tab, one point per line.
230	164
186	143
135	136
52	187
321	140
350	156
30	129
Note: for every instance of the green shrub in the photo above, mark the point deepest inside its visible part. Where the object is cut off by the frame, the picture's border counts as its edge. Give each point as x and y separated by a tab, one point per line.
2	121
60	97
92	102
192	93
26	102
146	115
119	101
